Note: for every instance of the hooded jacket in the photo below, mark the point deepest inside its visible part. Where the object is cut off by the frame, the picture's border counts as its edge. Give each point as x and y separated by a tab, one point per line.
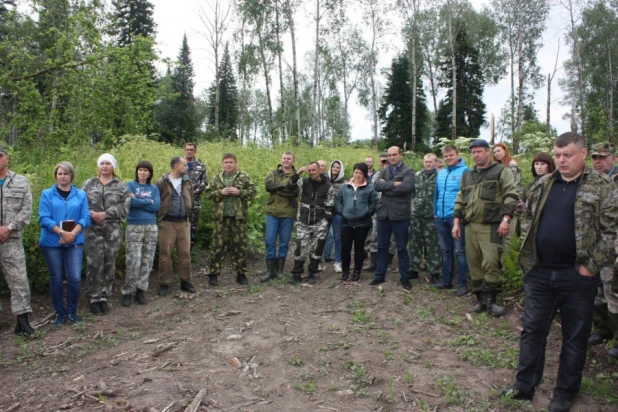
356	206
448	184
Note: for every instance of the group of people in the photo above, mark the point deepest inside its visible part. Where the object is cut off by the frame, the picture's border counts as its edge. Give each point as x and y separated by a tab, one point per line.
441	219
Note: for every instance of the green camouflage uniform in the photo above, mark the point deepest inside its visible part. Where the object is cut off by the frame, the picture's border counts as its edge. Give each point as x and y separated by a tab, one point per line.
486	195
606	302
199	179
16	203
423	234
102	243
230	233
596	221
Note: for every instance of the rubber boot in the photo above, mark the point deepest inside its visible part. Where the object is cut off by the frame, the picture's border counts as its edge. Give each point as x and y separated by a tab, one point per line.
296	278
372	263
481	304
279	272
270	270
23	327
493	308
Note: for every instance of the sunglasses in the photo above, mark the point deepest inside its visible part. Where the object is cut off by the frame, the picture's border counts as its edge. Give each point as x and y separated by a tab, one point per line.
384	161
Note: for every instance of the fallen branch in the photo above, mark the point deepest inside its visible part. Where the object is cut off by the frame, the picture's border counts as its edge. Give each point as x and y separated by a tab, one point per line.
326	407
169	407
230	313
424	393
154	369
243	404
148	342
163	349
13	407
196	402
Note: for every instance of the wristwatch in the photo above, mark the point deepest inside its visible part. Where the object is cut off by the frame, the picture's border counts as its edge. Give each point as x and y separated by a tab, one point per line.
61	233
506	219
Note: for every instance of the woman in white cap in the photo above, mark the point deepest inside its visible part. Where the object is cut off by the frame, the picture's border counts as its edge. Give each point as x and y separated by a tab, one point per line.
109	202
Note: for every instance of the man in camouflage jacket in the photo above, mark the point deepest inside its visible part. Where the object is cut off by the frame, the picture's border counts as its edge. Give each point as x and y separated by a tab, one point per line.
15	212
230	191
569	224
423	234
199	179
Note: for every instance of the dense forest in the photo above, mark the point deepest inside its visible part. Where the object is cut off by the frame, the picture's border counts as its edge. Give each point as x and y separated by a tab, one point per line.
75	72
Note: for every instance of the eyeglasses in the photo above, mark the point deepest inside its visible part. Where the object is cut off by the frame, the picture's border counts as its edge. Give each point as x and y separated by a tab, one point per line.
384	162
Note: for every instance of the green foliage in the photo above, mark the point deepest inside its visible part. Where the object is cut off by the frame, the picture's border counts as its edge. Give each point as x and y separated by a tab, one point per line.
513	278
601	387
228	100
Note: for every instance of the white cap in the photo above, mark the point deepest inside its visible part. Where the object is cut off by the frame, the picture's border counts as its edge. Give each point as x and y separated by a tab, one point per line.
107	157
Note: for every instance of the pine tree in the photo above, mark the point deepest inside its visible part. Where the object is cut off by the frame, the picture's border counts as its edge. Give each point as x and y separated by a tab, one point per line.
133	18
176	114
228	99
396	110
470	81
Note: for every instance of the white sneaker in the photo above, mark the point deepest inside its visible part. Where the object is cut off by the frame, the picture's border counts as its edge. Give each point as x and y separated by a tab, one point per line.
337	266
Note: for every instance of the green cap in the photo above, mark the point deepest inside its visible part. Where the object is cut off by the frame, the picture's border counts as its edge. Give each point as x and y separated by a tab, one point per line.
603	149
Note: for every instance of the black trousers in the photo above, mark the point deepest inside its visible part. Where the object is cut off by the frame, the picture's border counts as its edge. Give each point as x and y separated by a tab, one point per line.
545	292
356	235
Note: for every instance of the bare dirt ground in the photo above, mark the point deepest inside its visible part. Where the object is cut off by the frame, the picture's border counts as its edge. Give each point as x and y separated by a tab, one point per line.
277	347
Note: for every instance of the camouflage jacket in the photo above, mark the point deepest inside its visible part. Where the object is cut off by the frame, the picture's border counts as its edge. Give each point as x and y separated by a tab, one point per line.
516	170
16	203
112	198
424	187
282	193
486	195
596	220
242	181
199	177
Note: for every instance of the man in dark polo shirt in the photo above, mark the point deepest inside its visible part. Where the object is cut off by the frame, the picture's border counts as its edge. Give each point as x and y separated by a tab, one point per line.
568	227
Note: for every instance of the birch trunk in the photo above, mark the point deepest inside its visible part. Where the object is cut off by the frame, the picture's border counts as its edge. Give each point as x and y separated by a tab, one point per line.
294	74
267	80
281	88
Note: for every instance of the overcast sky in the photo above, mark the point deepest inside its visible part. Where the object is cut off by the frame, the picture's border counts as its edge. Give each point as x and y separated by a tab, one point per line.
174	18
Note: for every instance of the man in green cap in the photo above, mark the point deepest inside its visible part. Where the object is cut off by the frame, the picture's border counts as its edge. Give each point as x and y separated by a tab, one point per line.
485	204
606	303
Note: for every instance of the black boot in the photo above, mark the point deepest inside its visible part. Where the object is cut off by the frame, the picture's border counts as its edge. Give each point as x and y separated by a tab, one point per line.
345	276
23	327
270	270
436	278
296	278
279	272
372	263
140	298
126	300
481	304
212	280
311	279
241	279
413	274
355	276
494	309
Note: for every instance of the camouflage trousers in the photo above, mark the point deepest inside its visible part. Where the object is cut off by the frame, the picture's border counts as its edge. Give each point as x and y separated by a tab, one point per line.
229	239
101	246
194	216
371	243
141	241
424	238
606	303
310	240
13	264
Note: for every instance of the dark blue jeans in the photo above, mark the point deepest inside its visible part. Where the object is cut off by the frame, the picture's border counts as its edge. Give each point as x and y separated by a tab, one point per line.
444	227
334	236
545	292
278	226
400	230
64	262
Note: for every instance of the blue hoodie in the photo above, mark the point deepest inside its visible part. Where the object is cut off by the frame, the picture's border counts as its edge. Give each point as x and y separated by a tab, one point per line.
145	204
53	209
447	187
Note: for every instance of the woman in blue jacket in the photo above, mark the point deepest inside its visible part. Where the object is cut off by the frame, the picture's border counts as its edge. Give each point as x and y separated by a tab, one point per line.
63	215
356	201
141	234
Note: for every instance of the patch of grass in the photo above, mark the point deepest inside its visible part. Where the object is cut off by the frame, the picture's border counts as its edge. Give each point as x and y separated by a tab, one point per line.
256	289
359	374
333	387
355	305
507	358
295	360
398	322
342	344
409	378
453	392
601	387
426	313
305	383
334	328
406	299
390	390
360	316
383	337
389	356
463	340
